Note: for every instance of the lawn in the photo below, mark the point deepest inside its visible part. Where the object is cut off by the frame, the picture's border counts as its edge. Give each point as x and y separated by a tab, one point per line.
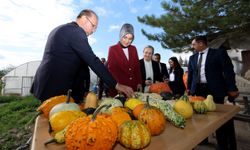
15	112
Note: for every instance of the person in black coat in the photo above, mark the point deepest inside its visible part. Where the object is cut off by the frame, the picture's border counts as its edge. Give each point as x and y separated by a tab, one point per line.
210	71
150	72
66	61
162	66
176	82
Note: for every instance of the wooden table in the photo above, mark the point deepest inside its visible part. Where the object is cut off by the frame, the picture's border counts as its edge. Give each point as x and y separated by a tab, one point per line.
197	128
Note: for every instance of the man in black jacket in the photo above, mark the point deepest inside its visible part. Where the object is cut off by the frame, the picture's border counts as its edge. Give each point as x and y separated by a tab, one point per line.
66	61
210	71
162	66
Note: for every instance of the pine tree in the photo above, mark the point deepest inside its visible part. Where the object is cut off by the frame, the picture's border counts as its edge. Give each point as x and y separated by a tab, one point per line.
184	19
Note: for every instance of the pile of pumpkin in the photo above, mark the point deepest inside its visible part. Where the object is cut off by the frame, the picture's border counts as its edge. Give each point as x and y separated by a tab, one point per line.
99	125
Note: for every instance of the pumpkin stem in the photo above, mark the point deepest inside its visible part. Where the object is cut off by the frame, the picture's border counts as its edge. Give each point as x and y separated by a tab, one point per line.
50	141
68	95
185	98
139	89
98	110
32	119
147	100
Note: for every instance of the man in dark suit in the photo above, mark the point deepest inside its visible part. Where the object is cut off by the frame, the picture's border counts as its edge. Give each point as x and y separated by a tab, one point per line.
66	61
210	71
162	66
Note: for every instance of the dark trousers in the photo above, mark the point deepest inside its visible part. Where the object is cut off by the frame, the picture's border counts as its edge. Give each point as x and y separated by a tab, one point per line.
225	135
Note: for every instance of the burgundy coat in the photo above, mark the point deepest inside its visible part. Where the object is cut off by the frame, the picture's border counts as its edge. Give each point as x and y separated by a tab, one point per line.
125	71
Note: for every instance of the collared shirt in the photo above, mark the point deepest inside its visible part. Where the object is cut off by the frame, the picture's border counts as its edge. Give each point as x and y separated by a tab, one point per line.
202	73
125	50
149	70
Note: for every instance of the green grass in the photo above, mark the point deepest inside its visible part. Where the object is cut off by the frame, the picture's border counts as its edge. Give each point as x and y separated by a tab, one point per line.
15	112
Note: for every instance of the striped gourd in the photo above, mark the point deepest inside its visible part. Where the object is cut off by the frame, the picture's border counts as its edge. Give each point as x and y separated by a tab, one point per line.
134	134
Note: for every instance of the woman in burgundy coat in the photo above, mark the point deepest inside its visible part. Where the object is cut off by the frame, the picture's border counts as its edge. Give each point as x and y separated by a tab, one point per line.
123	60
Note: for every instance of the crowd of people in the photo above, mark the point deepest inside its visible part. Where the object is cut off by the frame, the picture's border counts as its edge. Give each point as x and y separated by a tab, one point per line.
68	57
125	66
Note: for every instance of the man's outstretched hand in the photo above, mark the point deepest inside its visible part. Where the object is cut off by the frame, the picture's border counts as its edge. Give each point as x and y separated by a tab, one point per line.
125	89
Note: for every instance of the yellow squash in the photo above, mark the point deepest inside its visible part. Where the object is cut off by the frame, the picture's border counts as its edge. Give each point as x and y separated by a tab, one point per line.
183	107
132	103
60	120
209	101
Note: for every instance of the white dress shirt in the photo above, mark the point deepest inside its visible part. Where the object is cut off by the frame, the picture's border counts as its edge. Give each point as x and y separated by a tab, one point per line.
125	50
149	70
202	73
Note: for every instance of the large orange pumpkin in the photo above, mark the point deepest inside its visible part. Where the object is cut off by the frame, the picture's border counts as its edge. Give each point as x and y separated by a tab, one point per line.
159	87
153	118
96	132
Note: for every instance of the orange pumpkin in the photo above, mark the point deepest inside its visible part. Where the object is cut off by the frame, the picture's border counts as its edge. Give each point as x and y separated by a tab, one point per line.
159	87
185	78
153	118
119	115
195	98
137	110
47	105
96	132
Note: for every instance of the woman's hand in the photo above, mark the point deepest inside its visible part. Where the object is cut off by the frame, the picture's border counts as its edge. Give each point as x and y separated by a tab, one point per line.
148	82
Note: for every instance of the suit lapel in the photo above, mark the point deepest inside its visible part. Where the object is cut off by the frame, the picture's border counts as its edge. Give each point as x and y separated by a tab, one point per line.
123	56
143	71
208	58
196	59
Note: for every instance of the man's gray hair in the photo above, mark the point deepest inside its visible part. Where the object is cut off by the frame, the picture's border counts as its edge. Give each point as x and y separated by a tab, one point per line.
149	46
87	12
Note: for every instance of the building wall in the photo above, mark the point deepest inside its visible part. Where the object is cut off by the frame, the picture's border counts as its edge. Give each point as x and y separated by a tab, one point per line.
236	57
246	61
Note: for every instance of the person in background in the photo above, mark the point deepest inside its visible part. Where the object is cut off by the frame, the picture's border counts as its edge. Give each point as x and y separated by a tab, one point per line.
176	82
123	60
66	61
210	71
185	79
101	85
162	66
150	71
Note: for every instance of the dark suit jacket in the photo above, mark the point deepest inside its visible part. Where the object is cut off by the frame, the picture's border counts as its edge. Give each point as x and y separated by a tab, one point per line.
156	72
164	71
177	86
219	73
65	65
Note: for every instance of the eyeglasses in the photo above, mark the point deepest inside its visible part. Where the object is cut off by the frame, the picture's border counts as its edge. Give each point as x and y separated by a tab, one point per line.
93	25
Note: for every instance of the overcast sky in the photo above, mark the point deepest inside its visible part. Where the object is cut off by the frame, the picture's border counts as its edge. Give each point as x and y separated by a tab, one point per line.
25	25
